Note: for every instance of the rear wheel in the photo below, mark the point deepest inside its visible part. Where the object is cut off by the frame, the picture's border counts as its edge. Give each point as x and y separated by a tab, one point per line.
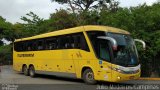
88	77
32	71
25	70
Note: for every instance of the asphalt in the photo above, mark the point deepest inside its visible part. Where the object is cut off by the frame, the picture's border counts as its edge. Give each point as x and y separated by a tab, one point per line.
12	80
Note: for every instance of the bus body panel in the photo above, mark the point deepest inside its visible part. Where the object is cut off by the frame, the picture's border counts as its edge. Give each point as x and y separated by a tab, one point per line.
70	61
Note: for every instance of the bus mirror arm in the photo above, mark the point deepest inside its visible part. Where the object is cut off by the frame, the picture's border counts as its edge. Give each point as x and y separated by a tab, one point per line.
141	41
112	40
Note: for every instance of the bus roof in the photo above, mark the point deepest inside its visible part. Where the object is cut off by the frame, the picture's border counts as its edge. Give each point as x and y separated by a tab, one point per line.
76	29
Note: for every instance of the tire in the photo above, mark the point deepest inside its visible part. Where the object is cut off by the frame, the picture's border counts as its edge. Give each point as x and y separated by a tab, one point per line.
88	77
32	71
22	69
25	70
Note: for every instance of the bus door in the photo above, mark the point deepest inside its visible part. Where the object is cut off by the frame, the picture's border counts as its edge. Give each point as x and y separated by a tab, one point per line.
102	50
105	59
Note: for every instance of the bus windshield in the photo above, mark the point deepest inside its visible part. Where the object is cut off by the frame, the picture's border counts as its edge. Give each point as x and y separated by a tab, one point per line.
126	52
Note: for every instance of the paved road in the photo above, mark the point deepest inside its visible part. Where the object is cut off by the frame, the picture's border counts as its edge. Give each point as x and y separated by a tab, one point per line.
12	79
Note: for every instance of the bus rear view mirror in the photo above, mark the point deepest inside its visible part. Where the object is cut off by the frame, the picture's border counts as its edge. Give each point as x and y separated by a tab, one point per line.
112	40
141	41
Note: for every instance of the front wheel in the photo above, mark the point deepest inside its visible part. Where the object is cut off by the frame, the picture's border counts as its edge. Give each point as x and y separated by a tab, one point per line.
88	77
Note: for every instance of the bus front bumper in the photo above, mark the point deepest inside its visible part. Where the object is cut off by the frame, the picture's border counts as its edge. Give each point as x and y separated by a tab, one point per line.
119	77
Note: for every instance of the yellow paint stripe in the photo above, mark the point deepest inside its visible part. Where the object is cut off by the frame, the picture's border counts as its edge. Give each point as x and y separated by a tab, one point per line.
148	78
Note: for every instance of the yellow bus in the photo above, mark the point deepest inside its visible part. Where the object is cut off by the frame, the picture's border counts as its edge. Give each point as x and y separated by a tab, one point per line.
92	53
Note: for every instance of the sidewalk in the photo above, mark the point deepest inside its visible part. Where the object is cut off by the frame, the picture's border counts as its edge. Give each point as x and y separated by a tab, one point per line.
149	78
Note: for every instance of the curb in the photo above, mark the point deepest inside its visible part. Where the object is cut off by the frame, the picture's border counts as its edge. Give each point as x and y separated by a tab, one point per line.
156	79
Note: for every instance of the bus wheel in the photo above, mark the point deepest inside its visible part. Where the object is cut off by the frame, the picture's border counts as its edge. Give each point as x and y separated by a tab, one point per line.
25	70
32	71
88	77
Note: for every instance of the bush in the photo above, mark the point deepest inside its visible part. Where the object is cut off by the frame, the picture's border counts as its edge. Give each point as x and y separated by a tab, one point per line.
6	54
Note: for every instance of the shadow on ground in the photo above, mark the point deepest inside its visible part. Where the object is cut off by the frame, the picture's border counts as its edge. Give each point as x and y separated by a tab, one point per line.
80	81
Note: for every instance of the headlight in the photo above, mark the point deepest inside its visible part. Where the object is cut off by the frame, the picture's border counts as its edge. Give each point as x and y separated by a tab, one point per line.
117	69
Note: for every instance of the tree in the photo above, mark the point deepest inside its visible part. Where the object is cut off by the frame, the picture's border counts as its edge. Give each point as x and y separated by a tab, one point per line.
6	54
143	23
6	31
62	19
1	43
85	5
31	27
19	31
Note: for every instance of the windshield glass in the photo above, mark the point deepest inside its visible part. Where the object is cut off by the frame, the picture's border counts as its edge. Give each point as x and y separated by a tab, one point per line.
126	53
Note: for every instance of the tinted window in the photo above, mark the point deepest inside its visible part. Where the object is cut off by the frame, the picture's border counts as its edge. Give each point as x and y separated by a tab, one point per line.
30	45
103	50
51	44
100	46
79	42
17	46
40	44
20	46
70	41
65	42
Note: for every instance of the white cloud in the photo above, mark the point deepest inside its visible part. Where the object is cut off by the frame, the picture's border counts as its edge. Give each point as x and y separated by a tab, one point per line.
21	1
128	3
6	41
12	10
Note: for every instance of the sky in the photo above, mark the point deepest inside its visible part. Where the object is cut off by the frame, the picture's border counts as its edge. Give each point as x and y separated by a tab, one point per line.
12	10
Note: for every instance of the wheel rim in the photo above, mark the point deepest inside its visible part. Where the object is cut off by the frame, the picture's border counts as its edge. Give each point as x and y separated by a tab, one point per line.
25	70
90	76
31	71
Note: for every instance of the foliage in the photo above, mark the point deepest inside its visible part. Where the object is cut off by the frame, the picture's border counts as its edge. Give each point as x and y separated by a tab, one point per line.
6	54
62	19
5	30
31	27
85	5
1	43
142	22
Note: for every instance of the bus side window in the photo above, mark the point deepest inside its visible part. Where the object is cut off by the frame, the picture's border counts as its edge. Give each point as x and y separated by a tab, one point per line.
40	45
51	44
34	44
48	44
24	46
54	43
84	45
71	40
18	46
76	41
68	42
64	42
61	42
80	42
58	43
30	46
